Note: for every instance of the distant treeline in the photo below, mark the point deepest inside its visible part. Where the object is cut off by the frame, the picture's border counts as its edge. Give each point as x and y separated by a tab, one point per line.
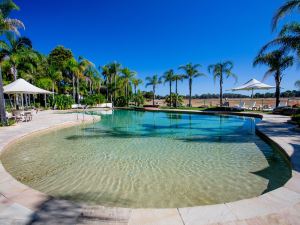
285	94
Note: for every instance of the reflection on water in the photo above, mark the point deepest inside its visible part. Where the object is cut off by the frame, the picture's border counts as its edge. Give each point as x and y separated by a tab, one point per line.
151	159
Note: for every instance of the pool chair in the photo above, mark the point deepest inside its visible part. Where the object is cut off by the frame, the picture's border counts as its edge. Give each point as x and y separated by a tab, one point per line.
252	106
18	115
283	104
241	106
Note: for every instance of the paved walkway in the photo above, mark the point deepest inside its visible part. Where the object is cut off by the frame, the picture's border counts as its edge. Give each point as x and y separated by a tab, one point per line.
20	204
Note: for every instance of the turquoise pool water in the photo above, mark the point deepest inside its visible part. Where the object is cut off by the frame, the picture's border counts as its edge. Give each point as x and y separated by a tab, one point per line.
150	159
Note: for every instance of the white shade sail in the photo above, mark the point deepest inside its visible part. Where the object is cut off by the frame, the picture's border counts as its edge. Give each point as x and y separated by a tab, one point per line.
253	84
21	86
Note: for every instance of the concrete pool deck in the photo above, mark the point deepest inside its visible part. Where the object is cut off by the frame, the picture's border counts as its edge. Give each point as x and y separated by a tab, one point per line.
20	204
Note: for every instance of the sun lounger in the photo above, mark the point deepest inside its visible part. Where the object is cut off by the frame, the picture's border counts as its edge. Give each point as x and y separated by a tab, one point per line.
252	106
241	106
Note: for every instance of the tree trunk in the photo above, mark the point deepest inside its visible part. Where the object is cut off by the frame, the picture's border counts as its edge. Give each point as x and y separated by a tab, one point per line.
77	83
153	95
53	89
3	118
221	90
190	89
170	93
176	94
277	93
73	83
135	103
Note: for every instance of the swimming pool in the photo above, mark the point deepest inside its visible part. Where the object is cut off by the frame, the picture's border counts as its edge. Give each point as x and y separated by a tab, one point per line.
150	159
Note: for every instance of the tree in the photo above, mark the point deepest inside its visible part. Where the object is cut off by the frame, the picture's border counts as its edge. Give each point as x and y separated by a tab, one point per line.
219	70
80	69
285	9
153	81
169	77
71	68
277	61
6	25
128	76
59	56
191	72
114	69
106	75
176	78
54	75
136	83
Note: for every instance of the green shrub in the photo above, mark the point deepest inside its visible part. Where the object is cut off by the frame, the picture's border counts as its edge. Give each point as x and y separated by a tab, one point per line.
120	101
92	100
139	98
62	102
10	122
179	100
296	118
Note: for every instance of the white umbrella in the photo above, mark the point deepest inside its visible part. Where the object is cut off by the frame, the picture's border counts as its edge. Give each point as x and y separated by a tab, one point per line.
21	86
252	85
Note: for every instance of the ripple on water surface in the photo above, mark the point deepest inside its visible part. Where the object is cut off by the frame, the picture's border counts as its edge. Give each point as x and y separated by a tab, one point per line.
150	159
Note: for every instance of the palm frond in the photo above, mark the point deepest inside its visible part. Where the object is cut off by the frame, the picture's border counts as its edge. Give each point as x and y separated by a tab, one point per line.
284	10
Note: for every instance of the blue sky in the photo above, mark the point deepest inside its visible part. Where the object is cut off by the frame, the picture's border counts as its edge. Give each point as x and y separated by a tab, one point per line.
152	36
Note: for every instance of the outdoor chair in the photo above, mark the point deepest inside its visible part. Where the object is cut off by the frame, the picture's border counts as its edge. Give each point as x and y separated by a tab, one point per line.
18	115
241	106
252	106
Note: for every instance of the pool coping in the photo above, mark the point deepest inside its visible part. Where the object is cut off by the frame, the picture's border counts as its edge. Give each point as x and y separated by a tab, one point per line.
283	203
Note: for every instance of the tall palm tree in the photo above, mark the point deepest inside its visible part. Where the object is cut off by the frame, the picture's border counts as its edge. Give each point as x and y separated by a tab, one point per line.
285	9
6	25
176	78
114	69
191	72
153	81
127	77
219	70
54	75
169	77
71	66
106	75
277	61
82	65
136	82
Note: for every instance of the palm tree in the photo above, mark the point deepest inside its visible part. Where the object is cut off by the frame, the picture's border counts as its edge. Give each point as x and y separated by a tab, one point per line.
6	25
71	67
169	77
288	39
191	72
153	81
15	51
82	65
136	83
176	78
106	75
219	70
54	75
285	9
114	69
277	61
128	76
